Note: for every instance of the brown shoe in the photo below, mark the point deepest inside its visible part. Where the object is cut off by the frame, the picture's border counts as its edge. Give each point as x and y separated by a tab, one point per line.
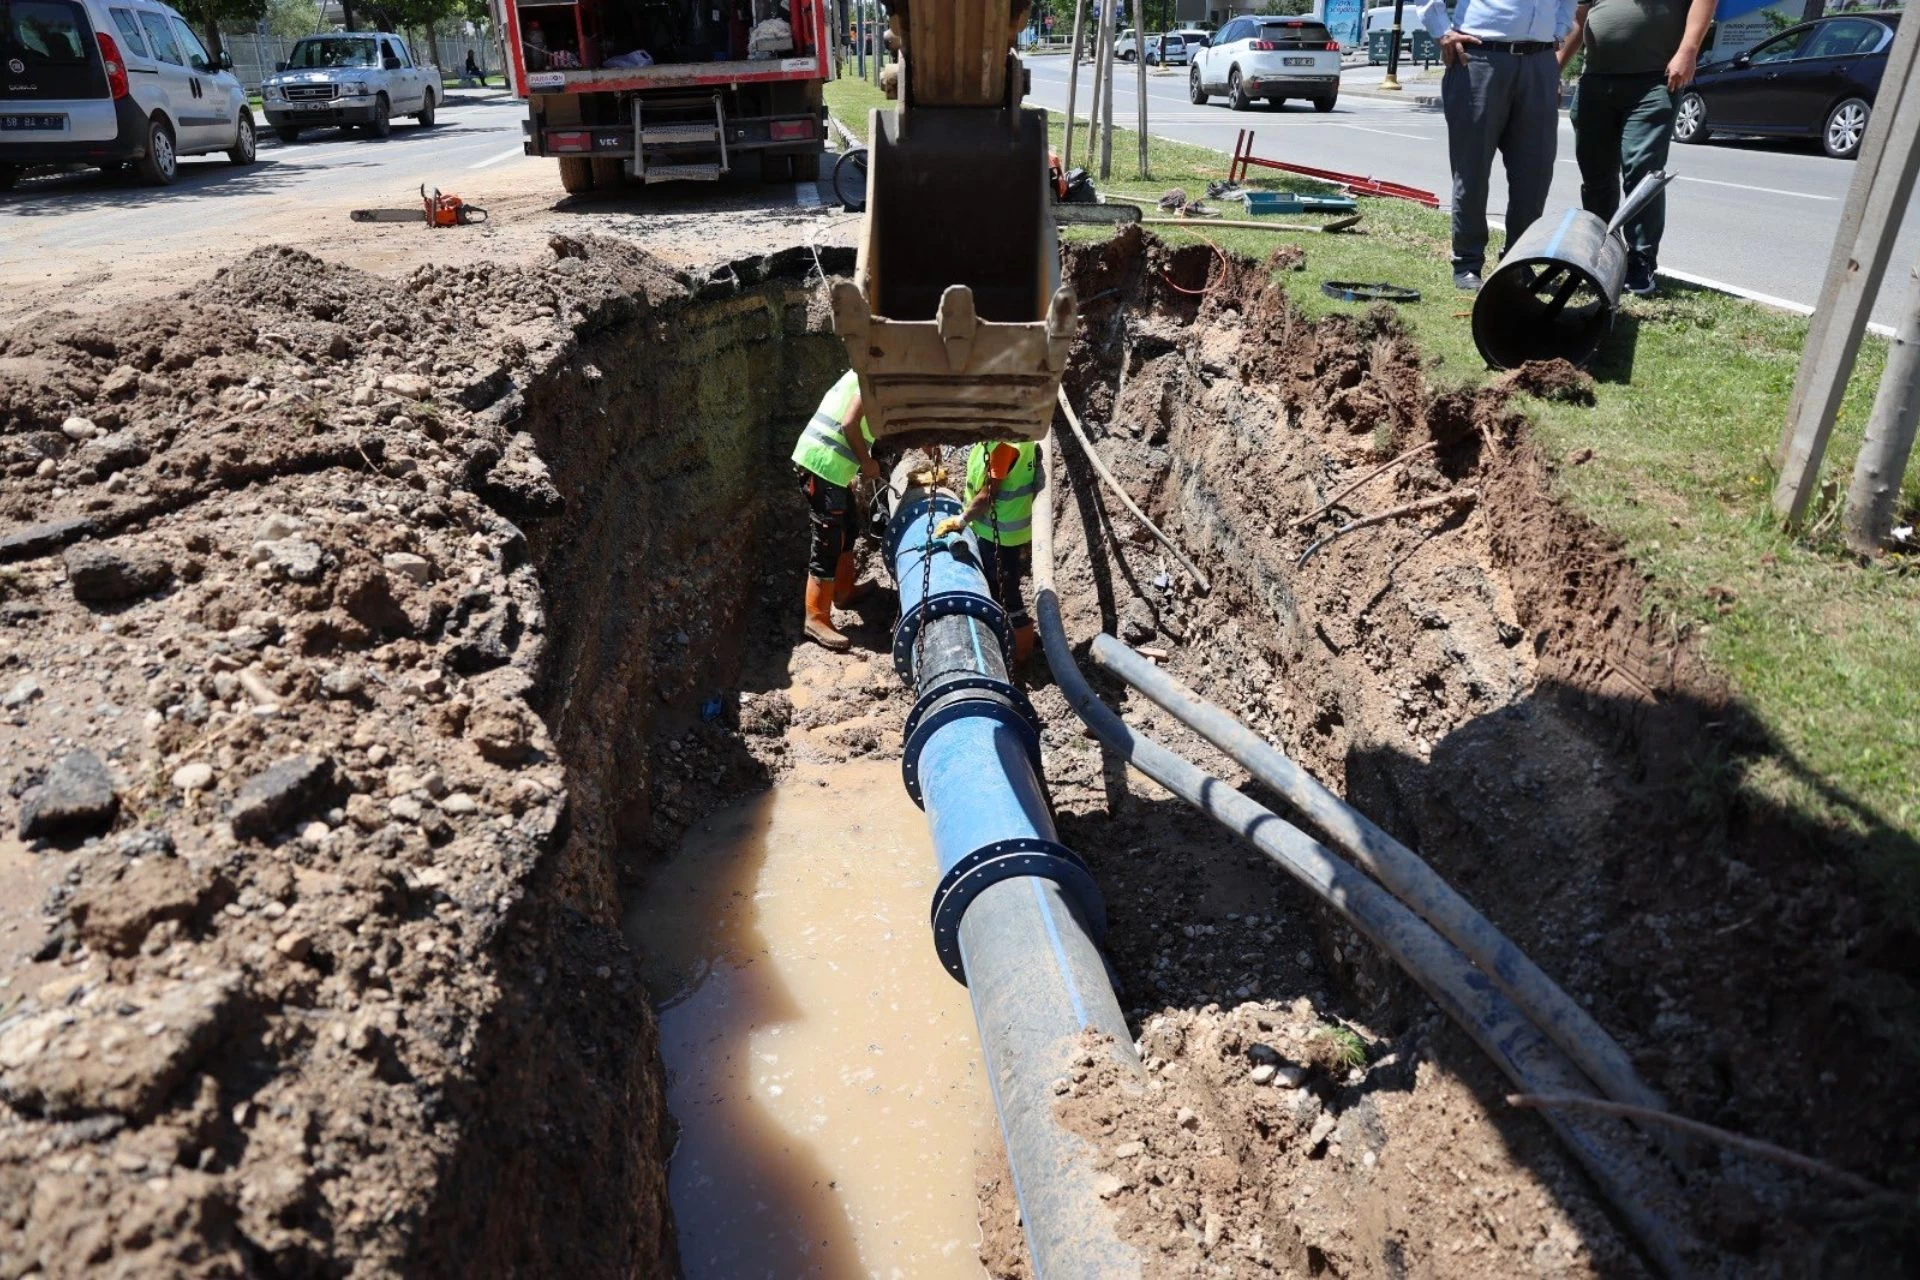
820	617
846	592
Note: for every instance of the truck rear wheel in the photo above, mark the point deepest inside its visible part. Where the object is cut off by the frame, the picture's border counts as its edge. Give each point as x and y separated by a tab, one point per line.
774	168
576	174
806	168
608	174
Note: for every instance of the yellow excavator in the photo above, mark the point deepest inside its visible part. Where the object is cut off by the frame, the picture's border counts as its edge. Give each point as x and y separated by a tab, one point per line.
956	321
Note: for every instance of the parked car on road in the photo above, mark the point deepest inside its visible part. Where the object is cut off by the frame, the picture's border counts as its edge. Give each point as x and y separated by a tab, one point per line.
1176	48
1816	80
113	82
1126	45
362	78
1270	58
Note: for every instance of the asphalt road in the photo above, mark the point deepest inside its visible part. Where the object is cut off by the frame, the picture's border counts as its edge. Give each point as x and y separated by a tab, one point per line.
87	239
1759	216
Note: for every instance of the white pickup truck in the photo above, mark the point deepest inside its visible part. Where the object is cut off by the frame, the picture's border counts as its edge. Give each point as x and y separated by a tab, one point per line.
347	78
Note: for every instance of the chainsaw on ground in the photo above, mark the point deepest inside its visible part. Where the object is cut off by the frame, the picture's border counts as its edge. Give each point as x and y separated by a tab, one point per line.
435	210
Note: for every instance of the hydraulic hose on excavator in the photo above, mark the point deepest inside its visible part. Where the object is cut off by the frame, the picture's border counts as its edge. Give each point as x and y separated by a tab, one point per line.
956	320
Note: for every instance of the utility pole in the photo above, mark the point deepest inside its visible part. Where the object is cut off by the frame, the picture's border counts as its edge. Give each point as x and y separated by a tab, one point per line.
860	37
1882	464
1140	76
1883	181
1392	79
1073	82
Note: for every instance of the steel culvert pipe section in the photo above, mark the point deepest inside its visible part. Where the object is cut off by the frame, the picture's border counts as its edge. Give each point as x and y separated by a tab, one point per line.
1404	873
1524	1055
1016	914
1557	288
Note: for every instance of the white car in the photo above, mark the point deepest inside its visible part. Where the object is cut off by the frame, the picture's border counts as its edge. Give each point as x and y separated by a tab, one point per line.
108	82
1176	48
348	78
1126	46
1270	58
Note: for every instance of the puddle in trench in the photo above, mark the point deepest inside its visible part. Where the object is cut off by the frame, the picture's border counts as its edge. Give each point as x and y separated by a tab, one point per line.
822	1066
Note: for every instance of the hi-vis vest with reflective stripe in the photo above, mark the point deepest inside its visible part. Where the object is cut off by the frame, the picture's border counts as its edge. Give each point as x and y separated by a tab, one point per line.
823	447
1013	503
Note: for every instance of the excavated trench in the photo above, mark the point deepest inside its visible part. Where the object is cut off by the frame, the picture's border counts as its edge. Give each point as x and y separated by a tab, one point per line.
706	852
1482	680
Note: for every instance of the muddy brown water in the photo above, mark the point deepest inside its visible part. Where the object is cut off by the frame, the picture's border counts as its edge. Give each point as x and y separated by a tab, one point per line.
823	1069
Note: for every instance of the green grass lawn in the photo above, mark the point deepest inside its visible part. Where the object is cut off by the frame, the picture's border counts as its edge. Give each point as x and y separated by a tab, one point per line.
1825	651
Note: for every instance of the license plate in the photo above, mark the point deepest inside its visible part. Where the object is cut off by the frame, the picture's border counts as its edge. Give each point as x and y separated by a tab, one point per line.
1296	62
316	106
10	123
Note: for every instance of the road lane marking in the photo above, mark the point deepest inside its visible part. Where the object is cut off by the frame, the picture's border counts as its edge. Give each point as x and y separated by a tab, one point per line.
1754	295
1738	186
490	161
1385	133
807	194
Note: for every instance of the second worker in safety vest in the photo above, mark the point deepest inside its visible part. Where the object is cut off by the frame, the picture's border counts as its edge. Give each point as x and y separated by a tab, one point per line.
830	456
1002	480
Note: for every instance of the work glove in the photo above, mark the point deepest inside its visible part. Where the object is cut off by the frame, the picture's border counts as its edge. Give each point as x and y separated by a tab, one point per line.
951	525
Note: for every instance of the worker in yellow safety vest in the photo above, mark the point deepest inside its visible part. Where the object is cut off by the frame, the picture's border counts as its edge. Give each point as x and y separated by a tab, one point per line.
829	457
1002	480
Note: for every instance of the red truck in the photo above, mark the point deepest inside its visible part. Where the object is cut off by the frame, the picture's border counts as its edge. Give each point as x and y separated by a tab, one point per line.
659	90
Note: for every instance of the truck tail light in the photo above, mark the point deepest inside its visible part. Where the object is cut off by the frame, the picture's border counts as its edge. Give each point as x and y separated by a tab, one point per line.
116	69
790	130
580	141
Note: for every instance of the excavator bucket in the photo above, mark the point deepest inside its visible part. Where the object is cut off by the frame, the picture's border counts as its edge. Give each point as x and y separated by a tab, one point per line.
955	320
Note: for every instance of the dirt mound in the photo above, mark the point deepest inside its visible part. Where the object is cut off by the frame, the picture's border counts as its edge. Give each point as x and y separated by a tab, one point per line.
311	964
1491	686
1554	379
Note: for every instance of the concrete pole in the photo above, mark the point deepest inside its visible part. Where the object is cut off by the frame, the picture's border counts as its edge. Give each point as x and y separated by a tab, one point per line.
1882	464
860	40
1073	83
1140	76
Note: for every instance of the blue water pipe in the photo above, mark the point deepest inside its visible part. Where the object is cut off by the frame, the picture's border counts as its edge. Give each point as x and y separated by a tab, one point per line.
1016	915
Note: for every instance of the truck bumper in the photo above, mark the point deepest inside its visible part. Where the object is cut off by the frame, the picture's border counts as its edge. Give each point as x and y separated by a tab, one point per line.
358	112
1293	86
744	133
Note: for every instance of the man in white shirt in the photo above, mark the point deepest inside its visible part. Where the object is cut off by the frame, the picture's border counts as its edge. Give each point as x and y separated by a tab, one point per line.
1501	92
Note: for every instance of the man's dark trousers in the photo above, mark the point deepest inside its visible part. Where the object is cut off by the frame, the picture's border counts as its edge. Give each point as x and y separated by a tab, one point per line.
1509	103
1623	122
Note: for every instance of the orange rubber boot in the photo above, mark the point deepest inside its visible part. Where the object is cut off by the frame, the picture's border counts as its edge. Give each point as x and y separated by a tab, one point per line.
820	617
845	591
1024	638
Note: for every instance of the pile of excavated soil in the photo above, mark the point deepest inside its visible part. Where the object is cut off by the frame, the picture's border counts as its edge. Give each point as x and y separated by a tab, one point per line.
333	605
1487	683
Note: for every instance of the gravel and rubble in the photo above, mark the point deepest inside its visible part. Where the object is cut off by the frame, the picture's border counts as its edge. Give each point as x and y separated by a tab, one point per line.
294	978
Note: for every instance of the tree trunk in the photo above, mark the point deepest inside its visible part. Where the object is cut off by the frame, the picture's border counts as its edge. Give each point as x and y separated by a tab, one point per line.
213	41
346	14
1875	491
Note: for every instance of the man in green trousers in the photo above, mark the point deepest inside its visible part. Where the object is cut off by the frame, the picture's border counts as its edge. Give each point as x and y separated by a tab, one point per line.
1640	54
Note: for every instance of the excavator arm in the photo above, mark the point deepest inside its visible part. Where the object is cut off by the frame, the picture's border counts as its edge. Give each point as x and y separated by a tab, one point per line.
956	321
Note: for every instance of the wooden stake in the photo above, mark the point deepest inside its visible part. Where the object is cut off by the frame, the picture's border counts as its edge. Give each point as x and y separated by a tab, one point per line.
1140	75
1883	180
1073	82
